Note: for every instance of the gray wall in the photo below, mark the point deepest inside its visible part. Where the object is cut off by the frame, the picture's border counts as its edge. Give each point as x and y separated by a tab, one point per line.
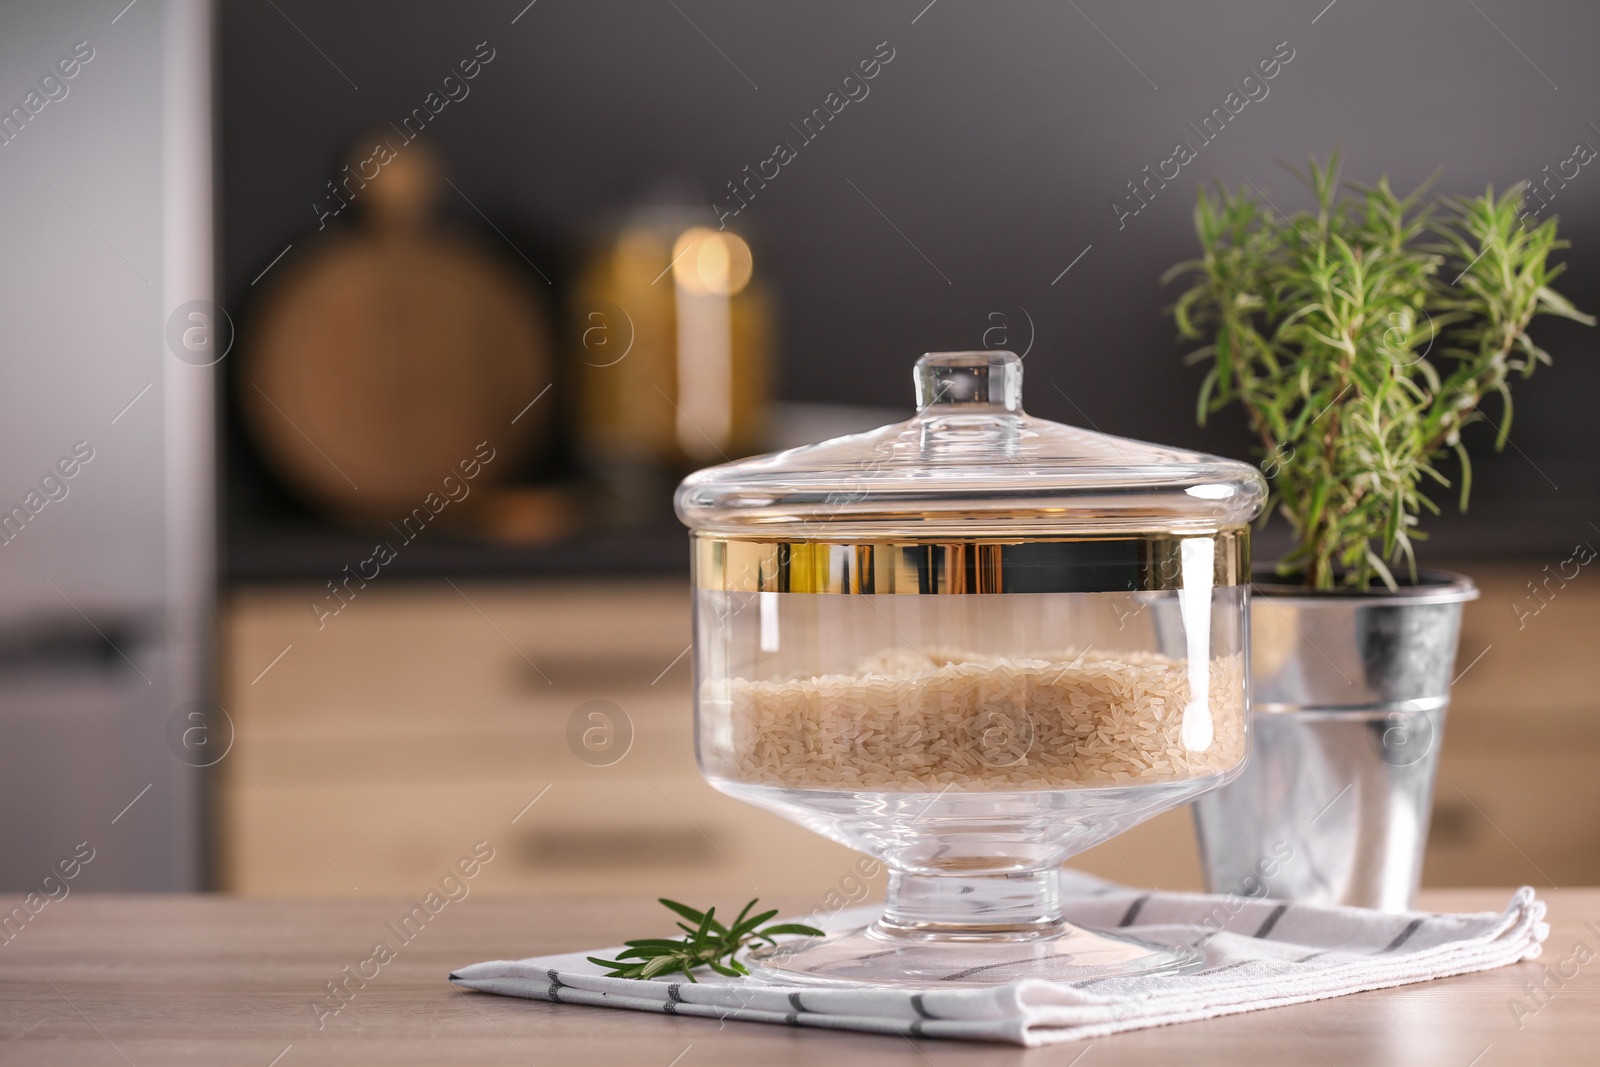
991	149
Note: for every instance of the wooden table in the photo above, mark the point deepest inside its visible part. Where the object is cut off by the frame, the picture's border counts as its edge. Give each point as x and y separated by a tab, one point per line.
216	980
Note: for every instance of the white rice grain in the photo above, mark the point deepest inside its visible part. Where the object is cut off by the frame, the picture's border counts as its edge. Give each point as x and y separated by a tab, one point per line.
905	721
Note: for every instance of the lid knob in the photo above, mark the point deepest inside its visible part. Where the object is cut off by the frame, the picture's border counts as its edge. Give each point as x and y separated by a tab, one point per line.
983	379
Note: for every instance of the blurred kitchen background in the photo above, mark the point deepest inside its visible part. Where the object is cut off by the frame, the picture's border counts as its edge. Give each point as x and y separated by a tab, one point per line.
419	311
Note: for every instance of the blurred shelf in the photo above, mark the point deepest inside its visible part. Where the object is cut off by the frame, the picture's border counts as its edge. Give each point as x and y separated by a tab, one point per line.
308	551
271	537
305	549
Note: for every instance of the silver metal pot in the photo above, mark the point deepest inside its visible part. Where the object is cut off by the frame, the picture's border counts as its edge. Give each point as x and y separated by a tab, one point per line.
1349	695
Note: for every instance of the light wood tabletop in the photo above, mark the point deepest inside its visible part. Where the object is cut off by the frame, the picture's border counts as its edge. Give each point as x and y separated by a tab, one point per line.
217	980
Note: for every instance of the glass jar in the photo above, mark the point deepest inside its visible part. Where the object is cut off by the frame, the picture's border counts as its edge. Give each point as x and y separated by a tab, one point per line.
971	644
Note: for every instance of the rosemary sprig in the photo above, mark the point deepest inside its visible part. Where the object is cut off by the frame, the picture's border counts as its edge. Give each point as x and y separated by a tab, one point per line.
707	943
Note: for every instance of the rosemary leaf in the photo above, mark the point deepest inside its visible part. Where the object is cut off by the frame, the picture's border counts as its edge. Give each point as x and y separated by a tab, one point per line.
708	943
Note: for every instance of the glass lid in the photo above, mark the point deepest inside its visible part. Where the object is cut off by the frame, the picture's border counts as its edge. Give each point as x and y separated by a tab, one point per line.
971	463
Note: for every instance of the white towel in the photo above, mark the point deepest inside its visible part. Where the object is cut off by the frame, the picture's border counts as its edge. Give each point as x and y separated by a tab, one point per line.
1259	953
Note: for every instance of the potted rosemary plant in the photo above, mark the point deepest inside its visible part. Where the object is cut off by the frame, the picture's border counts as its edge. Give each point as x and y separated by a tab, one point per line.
1360	340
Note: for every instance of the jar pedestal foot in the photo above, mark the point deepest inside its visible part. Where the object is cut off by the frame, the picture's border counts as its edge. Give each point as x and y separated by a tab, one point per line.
951	931
866	957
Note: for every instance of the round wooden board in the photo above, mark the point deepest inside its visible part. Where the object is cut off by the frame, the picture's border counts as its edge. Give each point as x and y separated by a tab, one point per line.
382	362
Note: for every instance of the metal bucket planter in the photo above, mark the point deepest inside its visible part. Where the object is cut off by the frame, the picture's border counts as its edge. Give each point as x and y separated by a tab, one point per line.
1349	695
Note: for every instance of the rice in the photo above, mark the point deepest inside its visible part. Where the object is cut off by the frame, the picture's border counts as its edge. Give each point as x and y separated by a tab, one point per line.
904	721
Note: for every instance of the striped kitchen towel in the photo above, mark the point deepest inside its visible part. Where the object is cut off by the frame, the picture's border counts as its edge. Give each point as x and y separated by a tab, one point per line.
1259	953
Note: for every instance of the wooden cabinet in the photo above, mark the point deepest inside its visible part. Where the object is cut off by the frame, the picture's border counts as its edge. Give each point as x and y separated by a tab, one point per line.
425	717
1518	795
